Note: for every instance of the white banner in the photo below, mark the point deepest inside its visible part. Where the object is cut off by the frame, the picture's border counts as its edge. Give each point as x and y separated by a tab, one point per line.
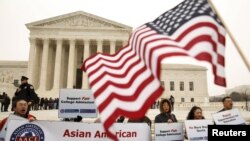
169	132
228	117
73	131
197	130
76	102
4	129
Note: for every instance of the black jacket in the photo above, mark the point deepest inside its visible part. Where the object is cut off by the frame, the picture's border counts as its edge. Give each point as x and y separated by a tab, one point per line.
164	117
26	91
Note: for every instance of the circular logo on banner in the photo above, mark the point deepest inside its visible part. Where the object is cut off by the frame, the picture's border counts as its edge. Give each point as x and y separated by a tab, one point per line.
62	110
27	132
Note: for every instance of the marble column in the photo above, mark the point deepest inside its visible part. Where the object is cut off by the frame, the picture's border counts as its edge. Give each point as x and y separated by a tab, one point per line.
43	78
86	53
112	46
71	63
32	55
57	71
99	46
37	65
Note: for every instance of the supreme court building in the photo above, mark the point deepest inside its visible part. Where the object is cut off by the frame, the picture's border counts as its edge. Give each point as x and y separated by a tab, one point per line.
58	46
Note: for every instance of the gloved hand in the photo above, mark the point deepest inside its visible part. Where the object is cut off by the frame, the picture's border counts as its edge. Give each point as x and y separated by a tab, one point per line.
78	119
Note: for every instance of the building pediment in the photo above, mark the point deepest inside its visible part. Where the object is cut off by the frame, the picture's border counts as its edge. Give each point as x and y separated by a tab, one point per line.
78	20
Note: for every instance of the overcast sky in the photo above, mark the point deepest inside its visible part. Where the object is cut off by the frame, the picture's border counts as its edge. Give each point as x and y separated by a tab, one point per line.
14	14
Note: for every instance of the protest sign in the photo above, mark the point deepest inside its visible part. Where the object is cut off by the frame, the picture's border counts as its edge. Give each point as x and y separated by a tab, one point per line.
228	117
76	102
4	129
73	131
197	129
168	131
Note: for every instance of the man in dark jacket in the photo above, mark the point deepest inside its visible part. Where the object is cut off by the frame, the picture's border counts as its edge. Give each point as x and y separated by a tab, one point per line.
6	103
26	91
227	103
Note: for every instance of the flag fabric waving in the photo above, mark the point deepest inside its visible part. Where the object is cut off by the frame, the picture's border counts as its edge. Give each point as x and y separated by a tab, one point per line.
128	82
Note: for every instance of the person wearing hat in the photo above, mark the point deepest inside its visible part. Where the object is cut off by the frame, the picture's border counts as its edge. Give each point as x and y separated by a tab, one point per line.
26	91
20	109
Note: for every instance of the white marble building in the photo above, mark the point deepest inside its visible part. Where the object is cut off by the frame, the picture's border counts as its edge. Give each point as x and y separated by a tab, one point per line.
10	73
58	46
187	83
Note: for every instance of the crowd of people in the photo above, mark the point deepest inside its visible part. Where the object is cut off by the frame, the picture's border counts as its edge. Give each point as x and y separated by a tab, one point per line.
43	103
5	102
26	91
26	99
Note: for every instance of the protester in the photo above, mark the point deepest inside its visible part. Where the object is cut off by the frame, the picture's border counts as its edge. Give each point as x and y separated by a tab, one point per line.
165	115
6	102
195	113
227	103
3	101
20	107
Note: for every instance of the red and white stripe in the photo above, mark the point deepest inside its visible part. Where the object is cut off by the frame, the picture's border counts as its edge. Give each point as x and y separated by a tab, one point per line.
128	82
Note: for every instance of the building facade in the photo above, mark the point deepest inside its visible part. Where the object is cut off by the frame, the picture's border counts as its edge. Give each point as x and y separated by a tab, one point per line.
187	83
10	75
58	46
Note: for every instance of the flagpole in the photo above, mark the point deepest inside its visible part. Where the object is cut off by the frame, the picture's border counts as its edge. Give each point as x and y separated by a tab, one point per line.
231	36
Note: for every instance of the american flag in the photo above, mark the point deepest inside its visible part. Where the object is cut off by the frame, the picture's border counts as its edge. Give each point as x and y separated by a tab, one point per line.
128	82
